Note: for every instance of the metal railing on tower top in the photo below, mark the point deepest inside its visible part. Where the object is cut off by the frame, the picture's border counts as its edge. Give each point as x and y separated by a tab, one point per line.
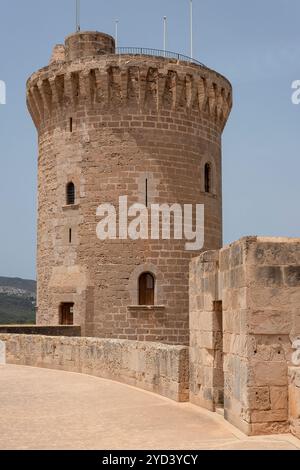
156	53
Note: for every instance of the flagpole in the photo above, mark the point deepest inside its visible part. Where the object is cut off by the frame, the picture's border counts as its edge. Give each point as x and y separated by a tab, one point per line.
165	35
117	33
77	16
191	26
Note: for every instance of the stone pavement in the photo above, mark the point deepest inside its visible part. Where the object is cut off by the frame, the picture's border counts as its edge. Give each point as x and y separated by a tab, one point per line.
48	409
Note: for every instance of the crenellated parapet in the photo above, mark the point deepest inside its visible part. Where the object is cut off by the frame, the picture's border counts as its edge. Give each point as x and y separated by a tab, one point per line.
114	83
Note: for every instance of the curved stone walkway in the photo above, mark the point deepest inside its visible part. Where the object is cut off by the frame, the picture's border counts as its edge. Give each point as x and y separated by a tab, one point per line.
47	409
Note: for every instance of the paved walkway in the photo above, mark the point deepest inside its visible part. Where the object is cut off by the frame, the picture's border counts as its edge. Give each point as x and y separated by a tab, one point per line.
47	409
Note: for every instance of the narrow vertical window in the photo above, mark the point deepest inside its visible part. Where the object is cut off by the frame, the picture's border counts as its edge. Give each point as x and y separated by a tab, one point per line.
146	192
207	178
71	124
70	196
70	235
146	289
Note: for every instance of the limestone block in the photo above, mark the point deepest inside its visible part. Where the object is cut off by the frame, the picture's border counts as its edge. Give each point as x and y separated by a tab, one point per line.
274	251
208	302
295	427
258	398
266	276
259	416
235	278
295	331
260	429
236	253
279	398
224	260
261	298
206	357
269	373
270	348
294	394
269	321
240	345
292	276
233	321
238	299
208	321
210	340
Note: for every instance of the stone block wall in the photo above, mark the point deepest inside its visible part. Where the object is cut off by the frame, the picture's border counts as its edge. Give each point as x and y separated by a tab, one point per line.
233	292
206	365
294	400
256	281
154	367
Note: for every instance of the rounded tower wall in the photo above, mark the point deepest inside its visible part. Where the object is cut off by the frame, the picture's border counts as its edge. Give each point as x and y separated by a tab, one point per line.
117	125
88	44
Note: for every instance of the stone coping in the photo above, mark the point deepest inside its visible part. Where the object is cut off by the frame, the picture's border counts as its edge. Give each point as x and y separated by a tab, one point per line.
155	367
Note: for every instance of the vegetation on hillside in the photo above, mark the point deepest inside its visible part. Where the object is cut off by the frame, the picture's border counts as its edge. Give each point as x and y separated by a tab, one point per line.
17	301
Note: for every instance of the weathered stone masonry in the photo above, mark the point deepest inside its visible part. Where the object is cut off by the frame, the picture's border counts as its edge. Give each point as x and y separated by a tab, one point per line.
244	318
154	367
147	128
108	123
245	314
294	400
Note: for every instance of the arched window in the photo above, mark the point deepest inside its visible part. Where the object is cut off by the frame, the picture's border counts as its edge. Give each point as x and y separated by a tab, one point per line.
70	194
146	289
207	178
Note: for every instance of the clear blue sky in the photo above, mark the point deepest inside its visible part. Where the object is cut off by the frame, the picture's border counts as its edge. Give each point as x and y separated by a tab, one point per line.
255	44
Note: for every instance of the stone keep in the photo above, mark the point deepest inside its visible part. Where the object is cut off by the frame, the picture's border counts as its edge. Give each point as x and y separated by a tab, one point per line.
116	125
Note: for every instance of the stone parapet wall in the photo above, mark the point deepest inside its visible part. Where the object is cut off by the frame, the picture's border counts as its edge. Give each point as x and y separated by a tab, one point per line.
154	367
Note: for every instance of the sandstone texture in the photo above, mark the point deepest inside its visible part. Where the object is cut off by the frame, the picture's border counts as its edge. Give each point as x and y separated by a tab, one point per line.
118	125
294	400
158	368
244	316
148	128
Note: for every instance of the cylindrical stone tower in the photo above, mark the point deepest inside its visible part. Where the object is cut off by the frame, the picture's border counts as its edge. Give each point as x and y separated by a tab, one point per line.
112	125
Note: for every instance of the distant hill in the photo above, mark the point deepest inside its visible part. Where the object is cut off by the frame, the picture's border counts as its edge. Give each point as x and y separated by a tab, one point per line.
18	283
17	301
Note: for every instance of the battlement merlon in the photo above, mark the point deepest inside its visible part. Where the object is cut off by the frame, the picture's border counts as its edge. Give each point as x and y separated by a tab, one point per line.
86	71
